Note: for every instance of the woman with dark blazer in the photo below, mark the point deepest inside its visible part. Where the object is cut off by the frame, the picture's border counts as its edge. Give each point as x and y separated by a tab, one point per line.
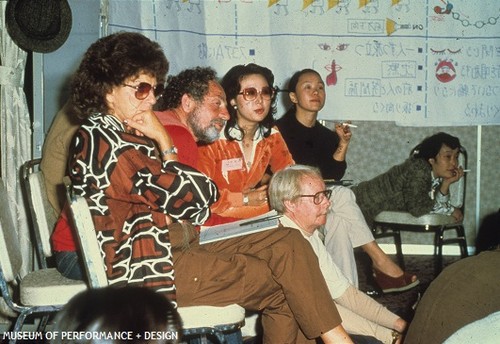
419	185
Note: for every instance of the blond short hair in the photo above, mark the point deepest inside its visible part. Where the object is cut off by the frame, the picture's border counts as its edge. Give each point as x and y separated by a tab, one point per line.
286	184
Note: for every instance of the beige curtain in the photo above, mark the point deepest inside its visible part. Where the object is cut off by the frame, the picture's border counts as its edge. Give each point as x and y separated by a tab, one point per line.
15	130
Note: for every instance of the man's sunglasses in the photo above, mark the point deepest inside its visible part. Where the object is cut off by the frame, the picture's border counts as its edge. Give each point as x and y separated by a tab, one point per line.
142	90
251	93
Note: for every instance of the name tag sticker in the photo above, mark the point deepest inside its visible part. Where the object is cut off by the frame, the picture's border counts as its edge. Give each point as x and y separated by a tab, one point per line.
232	164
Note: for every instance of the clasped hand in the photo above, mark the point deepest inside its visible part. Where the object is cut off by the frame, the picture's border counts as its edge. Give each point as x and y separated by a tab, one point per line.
145	123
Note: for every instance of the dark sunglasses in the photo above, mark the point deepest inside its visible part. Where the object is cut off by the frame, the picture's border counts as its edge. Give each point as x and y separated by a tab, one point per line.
319	197
251	93
142	90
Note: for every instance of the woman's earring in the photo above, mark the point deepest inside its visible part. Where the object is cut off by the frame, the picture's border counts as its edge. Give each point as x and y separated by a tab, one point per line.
235	107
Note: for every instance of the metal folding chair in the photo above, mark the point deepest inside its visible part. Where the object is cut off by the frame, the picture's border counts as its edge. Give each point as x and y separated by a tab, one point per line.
39	292
200	323
43	218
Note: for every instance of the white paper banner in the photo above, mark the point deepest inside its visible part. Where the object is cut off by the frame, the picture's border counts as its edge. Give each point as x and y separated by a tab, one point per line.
415	62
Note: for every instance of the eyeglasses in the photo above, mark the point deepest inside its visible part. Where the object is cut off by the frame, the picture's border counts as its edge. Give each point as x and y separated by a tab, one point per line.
142	90
319	197
251	93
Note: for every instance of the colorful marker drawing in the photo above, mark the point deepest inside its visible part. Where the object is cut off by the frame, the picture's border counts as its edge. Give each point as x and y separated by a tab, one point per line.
342	46
401	5
324	46
445	70
369	6
444	51
342	6
444	10
331	79
279	5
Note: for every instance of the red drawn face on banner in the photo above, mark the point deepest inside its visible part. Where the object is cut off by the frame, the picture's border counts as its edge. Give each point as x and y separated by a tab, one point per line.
445	71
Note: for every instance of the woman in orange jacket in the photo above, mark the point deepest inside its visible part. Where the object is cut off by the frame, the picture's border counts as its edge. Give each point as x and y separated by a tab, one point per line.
251	144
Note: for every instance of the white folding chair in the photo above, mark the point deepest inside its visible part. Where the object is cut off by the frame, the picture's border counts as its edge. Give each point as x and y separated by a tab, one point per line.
37	293
87	238
42	215
199	322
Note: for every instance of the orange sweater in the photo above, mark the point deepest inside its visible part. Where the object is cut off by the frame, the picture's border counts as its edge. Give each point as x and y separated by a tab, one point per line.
223	161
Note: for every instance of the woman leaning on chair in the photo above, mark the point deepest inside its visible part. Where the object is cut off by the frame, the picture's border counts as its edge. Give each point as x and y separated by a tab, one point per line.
419	185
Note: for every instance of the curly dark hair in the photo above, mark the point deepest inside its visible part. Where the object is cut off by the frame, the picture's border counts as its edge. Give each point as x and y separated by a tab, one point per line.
430	146
292	87
193	81
108	62
231	83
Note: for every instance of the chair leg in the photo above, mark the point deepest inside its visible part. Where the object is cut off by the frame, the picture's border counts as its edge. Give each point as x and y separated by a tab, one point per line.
462	241
18	325
438	250
43	322
396	235
399	249
20	322
200	339
215	336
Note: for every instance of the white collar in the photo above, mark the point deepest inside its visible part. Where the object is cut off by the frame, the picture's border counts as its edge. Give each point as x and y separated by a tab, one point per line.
288	222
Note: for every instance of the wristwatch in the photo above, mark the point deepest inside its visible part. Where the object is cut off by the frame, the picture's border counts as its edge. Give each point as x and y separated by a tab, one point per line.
171	150
245	199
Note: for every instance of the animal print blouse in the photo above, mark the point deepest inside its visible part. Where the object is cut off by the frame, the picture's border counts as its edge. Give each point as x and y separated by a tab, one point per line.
130	191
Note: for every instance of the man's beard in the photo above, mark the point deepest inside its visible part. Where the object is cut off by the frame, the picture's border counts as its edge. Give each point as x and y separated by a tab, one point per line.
208	134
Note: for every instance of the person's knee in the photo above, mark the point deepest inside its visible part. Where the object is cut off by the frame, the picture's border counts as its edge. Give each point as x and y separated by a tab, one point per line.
68	264
341	195
336	229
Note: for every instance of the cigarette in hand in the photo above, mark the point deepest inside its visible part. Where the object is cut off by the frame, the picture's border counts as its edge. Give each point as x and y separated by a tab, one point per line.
349	125
466	171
